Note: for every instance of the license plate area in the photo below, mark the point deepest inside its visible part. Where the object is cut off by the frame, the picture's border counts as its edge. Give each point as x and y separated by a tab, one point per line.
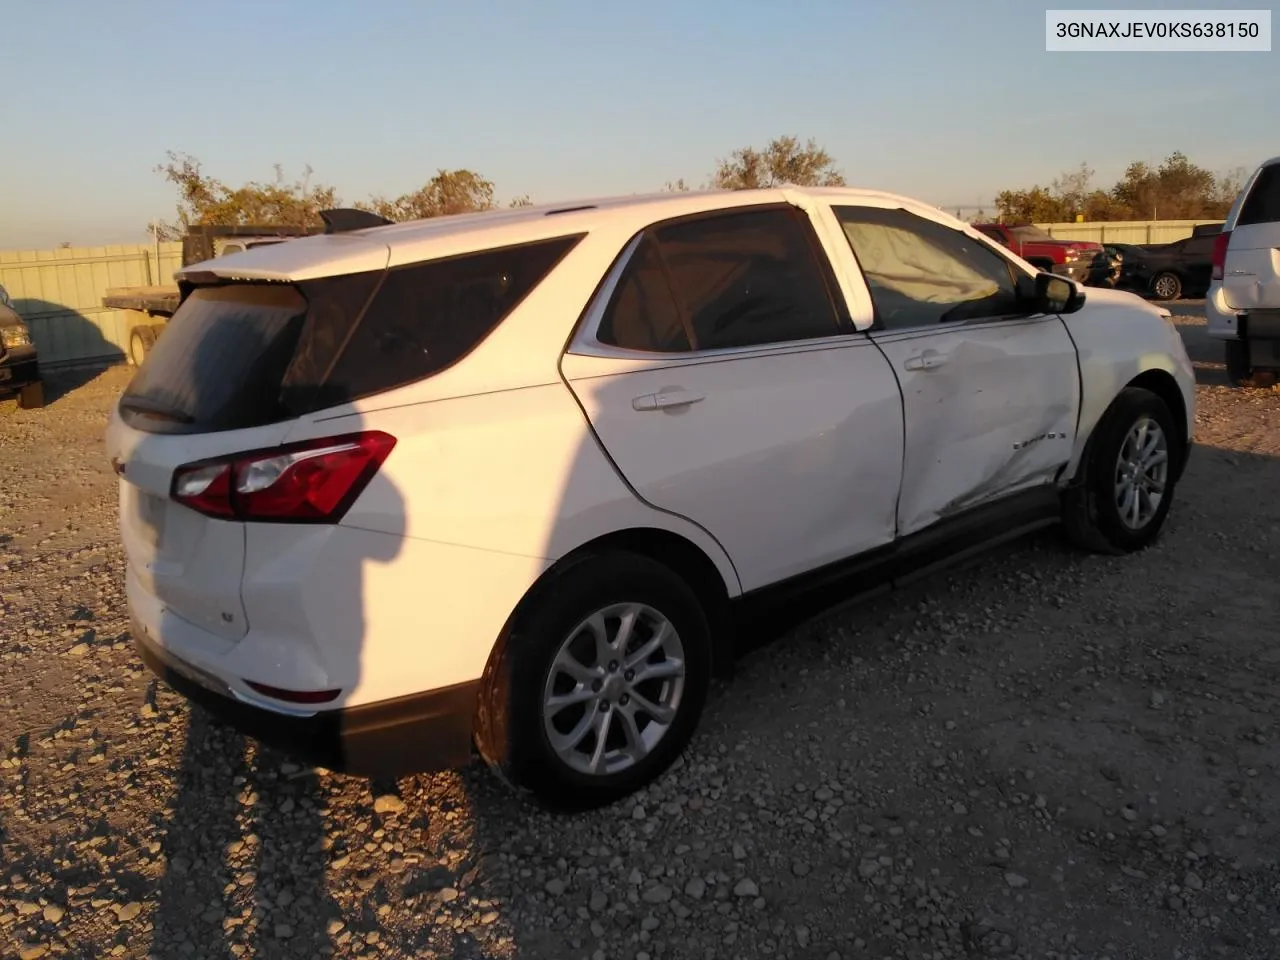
151	512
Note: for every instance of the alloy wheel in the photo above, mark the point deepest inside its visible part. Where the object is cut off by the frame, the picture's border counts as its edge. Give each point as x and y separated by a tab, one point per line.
614	689
1142	473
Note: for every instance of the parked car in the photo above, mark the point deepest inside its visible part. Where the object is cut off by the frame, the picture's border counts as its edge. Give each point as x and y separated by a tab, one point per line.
513	478
1167	271
19	359
1243	303
1081	260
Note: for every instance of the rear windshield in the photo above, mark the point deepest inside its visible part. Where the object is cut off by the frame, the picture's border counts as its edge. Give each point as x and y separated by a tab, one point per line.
219	361
248	354
1263	203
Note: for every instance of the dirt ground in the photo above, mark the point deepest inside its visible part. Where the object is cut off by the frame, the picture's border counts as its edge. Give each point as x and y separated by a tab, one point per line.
1043	755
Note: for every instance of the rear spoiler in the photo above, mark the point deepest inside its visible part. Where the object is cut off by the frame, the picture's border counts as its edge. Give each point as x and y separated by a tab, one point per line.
342	219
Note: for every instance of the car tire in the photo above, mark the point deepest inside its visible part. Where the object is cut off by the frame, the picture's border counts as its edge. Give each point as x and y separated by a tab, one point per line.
1099	512
141	339
519	720
31	397
1166	286
1240	372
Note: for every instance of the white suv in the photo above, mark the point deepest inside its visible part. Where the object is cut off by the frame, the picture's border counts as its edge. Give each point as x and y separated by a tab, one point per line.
510	479
1243	304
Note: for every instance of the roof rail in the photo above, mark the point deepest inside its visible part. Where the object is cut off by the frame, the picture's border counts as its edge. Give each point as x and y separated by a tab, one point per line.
342	219
585	206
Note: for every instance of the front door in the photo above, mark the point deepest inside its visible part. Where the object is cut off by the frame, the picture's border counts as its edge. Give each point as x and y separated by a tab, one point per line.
719	377
990	394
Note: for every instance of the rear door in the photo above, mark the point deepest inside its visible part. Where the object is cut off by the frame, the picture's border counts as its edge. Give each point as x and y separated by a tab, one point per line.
718	371
208	388
1251	277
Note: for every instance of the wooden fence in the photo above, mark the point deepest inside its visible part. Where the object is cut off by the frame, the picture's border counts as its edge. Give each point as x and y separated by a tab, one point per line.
59	293
1125	231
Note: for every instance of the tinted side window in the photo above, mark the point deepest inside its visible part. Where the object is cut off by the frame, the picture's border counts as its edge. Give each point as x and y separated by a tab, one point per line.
922	273
643	314
747	278
427	316
1263	203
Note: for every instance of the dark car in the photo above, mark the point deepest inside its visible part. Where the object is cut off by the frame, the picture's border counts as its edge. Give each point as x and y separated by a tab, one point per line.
1167	271
19	364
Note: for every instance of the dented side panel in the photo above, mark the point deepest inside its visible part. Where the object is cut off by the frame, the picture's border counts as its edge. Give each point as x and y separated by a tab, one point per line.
1120	337
990	409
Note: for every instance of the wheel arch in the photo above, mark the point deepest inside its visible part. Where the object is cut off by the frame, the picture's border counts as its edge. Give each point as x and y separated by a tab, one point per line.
679	554
1163	384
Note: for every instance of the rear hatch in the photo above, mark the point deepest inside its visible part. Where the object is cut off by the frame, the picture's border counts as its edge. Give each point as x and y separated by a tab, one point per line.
208	389
206	436
1251	275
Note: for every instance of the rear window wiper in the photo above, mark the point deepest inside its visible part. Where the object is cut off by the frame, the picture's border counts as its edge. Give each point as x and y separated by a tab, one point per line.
155	408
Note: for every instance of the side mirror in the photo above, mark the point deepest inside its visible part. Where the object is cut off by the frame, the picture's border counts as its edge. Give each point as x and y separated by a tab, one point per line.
1055	294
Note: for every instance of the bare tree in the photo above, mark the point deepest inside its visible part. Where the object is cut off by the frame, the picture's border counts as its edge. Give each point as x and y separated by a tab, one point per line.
206	200
448	192
784	161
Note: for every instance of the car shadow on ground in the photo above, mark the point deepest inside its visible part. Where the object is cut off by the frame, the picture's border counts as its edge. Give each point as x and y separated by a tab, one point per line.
72	348
61	381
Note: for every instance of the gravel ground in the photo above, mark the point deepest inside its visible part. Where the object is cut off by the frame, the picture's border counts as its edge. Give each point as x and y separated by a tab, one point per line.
1042	755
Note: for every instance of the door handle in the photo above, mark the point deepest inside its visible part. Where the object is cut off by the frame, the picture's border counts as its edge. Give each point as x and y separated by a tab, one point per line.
926	360
666	400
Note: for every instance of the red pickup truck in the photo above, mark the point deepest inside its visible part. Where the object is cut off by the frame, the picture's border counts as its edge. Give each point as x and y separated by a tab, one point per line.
1082	260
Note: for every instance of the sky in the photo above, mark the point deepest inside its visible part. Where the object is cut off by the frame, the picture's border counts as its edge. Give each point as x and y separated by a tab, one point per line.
948	101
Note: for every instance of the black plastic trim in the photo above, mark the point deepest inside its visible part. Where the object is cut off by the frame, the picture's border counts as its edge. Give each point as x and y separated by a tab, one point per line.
392	738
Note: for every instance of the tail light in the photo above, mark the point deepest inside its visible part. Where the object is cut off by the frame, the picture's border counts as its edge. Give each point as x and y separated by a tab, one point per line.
1219	258
312	482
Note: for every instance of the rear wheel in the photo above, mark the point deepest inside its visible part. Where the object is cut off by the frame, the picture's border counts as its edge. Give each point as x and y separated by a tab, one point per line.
31	397
1240	369
1166	286
1123	498
141	340
602	683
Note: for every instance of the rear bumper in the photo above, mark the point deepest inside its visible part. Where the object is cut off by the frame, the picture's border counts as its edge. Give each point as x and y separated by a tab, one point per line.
1222	322
412	734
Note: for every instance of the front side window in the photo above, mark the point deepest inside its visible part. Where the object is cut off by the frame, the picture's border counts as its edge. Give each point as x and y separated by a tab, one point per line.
921	273
744	278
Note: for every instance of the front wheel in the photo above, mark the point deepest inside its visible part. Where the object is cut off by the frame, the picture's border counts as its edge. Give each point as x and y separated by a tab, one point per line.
1124	494
601	683
1166	286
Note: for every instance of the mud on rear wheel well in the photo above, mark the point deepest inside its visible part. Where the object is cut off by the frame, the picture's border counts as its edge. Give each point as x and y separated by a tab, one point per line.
679	555
673	551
